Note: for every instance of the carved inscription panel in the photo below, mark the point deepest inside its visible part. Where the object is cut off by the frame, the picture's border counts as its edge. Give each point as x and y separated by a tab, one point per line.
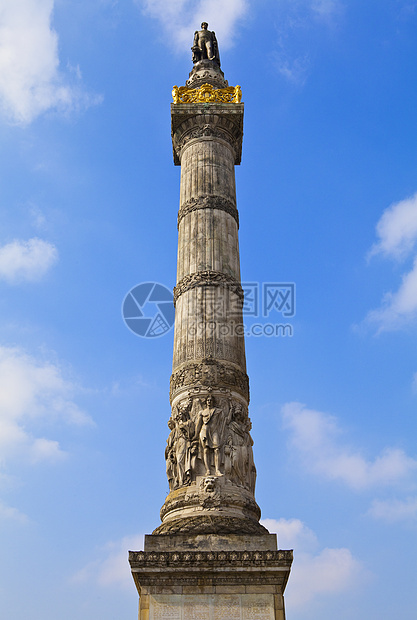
258	607
166	609
228	608
196	609
211	607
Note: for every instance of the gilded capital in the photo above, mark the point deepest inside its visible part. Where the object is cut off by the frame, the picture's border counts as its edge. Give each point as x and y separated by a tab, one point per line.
207	93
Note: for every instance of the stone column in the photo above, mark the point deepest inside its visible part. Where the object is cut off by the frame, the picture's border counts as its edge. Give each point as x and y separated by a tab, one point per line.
209	453
210	559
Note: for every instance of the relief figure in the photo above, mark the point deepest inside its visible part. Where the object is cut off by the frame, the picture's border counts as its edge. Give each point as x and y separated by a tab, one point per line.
210	429
183	442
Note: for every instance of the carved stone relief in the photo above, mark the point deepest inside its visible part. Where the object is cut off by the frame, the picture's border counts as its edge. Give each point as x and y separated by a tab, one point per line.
208	202
209	493
208	278
215	126
180	140
210	438
210	373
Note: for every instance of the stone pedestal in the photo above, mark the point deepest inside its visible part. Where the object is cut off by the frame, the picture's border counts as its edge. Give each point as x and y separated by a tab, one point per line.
211	577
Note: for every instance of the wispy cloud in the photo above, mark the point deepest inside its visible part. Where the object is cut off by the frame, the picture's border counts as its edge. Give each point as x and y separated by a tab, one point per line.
397	229
398	309
319	573
180	18
326	10
31	81
111	567
8	513
316	437
397	239
296	19
32	393
292	69
26	260
394	510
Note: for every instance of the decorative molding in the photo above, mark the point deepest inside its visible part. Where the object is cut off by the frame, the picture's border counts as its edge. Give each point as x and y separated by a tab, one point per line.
210	373
210	524
236	559
208	202
149	576
208	278
206	131
188	123
208	348
207	93
189	498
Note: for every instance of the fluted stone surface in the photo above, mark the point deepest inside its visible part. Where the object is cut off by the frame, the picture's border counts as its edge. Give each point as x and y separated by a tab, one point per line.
210	464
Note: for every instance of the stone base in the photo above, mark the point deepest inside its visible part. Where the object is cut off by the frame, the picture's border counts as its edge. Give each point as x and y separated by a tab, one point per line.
211	577
212	505
206	72
208	524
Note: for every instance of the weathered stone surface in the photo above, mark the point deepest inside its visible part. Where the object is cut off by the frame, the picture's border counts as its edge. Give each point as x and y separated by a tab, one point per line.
209	459
212	542
208	202
210	445
206	72
207	373
223	576
207	524
221	124
227	606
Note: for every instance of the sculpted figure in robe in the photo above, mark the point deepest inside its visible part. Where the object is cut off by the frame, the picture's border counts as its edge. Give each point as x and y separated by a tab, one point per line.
209	429
183	443
171	462
239	448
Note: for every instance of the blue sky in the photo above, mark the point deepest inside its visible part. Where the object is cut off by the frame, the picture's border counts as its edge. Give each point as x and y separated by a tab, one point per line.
327	194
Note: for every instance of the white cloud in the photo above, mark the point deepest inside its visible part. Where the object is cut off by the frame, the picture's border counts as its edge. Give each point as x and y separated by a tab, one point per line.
111	567
394	510
33	393
26	260
315	436
397	238
180	18
292	534
397	229
316	573
38	218
12	514
30	78
398	309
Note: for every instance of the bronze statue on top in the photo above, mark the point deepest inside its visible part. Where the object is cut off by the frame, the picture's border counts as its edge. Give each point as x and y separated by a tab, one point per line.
205	45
